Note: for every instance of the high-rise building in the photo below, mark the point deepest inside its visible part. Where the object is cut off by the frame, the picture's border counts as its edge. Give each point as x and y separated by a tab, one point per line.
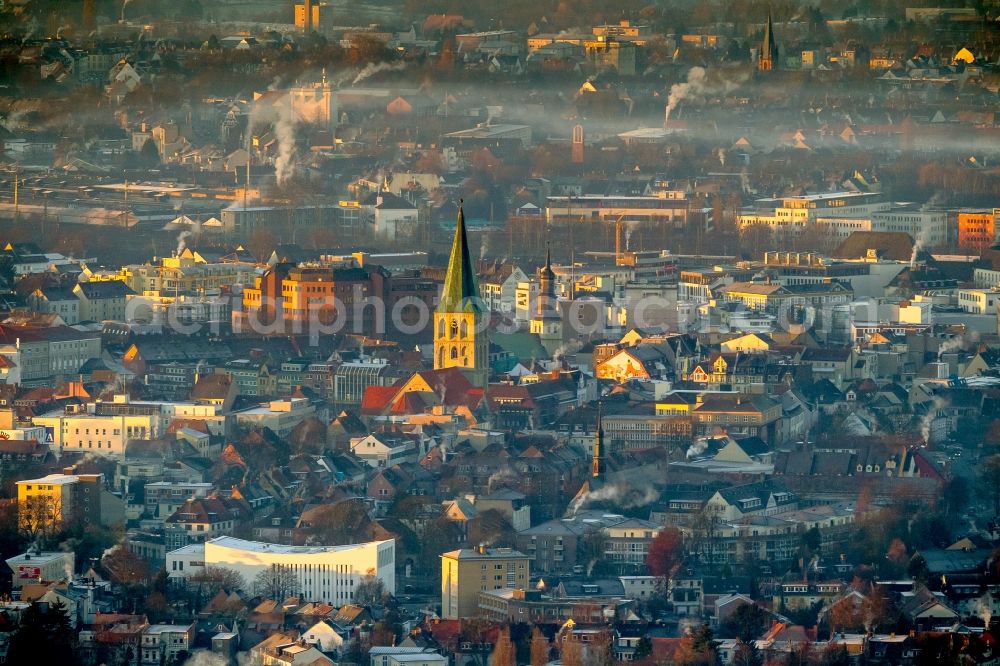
468	571
460	338
58	501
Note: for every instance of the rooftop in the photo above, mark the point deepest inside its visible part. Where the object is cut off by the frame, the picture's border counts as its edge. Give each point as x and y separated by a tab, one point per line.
262	547
483	553
51	480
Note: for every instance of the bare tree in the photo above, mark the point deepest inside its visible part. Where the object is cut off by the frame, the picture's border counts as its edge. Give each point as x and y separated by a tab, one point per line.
39	516
125	567
212	579
370	591
277	582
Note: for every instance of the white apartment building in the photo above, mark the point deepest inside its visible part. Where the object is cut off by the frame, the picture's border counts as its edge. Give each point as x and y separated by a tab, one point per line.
525	297
322	573
840	228
928	227
106	427
104	435
985	278
498	288
281	416
669	207
789	216
979	301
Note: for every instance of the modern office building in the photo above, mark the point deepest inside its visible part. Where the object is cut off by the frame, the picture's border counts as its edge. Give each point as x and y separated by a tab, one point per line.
321	573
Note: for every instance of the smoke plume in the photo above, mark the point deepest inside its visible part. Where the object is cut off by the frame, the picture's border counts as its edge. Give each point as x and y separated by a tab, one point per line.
499	477
694	85
927	421
372	69
281	117
950	345
983	608
697	447
284	132
624	498
181	244
206	658
697	85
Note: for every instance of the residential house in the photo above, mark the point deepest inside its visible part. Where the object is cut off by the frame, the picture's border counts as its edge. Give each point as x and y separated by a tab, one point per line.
388	448
202	519
165	643
642	361
328	636
738	414
102	301
60	301
626	544
252	377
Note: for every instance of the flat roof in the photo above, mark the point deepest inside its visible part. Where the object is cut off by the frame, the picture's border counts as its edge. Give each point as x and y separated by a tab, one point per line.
164	628
490	554
52	479
42	558
190	549
262	547
488	131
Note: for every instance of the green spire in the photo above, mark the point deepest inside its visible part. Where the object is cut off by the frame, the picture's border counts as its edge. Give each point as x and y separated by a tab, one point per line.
461	294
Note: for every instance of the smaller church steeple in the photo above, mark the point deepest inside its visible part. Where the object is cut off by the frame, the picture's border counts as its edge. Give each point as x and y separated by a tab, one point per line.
546	321
547	288
597	465
768	47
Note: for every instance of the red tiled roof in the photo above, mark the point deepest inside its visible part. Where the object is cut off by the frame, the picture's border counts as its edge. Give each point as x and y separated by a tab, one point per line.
198	425
376	399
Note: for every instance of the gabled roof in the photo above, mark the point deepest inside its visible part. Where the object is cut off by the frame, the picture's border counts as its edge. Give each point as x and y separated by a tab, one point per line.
891	246
389	201
214	386
104	290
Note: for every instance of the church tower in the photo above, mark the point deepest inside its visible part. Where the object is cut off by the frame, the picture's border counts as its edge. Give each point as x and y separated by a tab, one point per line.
768	48
597	465
460	339
546	322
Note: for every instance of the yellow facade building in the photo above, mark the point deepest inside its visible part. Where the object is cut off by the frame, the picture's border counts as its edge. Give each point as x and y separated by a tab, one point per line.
468	571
